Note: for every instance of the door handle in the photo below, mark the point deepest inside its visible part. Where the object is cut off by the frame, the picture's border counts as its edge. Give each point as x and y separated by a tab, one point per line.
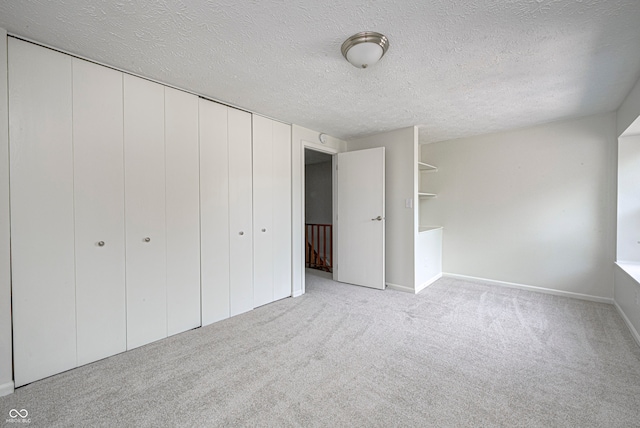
379	218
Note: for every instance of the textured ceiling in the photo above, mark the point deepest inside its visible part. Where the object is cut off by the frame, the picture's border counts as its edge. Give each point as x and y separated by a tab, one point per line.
455	67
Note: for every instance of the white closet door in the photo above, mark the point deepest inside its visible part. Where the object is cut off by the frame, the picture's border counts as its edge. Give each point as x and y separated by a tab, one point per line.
282	239
99	211
144	161
183	211
271	210
42	243
214	211
240	212
263	256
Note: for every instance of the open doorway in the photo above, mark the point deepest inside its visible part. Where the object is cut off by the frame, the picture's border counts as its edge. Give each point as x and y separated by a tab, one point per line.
318	203
353	251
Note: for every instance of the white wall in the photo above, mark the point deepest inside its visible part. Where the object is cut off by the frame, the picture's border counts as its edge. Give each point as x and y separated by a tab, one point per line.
319	193
301	138
534	206
629	110
401	151
6	367
628	242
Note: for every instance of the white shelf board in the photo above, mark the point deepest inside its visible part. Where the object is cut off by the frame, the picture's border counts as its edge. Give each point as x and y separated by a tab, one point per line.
428	228
426	195
426	167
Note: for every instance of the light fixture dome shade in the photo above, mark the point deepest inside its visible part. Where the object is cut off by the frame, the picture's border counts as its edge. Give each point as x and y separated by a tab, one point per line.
364	54
365	48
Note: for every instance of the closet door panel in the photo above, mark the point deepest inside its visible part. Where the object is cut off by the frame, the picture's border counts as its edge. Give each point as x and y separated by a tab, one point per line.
99	211
42	242
263	255
183	211
281	182
214	211
145	211
240	212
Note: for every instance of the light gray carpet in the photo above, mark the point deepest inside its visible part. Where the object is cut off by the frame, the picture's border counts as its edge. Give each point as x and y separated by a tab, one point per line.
459	354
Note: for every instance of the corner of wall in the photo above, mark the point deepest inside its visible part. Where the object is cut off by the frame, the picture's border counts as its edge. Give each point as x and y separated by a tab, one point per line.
480	224
629	110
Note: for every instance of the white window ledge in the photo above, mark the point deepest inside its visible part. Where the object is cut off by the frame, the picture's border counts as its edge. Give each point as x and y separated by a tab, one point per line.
632	269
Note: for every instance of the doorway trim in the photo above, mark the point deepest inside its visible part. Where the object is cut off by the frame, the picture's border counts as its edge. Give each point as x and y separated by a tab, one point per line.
331	151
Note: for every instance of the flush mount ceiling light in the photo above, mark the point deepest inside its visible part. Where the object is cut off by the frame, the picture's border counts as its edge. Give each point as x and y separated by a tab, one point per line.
365	49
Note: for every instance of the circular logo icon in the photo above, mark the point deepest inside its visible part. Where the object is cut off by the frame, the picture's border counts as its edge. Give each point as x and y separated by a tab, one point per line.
13	413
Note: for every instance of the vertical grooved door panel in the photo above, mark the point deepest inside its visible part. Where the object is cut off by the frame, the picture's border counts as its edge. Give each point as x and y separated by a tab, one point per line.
214	211
263	255
99	211
271	210
240	212
144	160
282	239
42	230
183	211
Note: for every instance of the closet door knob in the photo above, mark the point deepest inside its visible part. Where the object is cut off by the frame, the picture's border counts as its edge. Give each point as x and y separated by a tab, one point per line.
241	233
264	230
100	243
147	239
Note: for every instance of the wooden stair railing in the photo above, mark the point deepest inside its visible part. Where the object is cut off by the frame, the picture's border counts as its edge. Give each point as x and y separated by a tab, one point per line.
319	248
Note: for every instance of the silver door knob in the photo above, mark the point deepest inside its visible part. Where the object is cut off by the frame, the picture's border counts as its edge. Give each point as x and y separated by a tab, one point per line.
100	243
241	233
379	218
264	230
147	239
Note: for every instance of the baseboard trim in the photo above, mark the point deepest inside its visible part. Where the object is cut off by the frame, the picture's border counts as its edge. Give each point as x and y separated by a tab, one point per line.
533	288
297	293
400	288
411	290
7	388
428	283
626	320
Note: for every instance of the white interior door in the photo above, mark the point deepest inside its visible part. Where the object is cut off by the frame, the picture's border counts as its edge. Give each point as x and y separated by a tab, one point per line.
281	226
240	213
99	210
271	210
144	168
42	230
182	211
360	237
263	255
214	211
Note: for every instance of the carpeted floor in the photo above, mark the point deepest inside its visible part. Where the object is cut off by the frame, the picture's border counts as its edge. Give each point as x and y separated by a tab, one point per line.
459	354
